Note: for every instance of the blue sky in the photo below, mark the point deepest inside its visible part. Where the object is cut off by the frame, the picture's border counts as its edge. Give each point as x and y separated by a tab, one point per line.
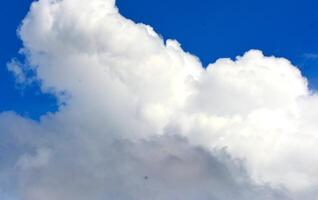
210	29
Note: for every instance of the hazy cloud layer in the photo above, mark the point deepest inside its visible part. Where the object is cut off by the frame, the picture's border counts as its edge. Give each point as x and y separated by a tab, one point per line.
139	118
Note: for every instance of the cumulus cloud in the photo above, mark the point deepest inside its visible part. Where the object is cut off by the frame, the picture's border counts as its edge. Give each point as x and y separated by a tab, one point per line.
140	118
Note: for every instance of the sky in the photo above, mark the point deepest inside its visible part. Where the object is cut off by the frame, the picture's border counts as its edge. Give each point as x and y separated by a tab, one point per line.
105	99
27	101
209	29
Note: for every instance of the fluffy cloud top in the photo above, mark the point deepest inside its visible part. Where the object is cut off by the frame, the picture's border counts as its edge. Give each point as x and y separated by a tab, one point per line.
139	118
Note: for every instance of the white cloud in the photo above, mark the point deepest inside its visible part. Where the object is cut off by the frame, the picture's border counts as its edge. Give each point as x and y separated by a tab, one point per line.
15	67
129	100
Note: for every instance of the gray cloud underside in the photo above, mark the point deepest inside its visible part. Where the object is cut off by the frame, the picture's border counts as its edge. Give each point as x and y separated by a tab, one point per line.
161	167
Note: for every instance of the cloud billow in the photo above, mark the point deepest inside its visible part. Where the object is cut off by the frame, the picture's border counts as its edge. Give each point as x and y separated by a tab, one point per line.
139	118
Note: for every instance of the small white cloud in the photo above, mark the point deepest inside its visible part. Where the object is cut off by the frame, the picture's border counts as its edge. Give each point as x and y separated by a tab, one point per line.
16	68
